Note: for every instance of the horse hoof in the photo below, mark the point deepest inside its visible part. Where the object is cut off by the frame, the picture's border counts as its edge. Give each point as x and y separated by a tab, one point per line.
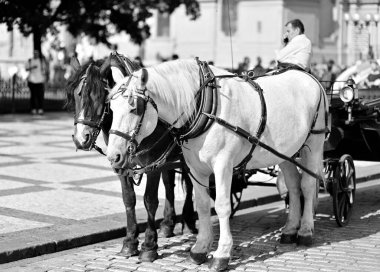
198	258
128	252
148	256
219	264
189	230
305	240
166	232
288	238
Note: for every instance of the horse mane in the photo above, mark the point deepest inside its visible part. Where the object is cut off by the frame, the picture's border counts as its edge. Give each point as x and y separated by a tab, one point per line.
176	83
93	85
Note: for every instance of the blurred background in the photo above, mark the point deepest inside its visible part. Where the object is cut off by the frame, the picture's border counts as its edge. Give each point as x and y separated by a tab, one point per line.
236	35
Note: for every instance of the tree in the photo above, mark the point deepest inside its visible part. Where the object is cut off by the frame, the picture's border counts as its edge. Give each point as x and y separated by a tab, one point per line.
96	18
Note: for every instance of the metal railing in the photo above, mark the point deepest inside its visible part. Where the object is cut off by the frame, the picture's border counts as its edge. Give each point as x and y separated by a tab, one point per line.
15	96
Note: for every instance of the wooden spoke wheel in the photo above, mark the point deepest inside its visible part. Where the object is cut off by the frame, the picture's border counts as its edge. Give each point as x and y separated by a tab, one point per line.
343	190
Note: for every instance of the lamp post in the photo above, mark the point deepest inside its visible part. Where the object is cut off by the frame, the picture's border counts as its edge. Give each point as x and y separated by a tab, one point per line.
347	19
376	18
363	29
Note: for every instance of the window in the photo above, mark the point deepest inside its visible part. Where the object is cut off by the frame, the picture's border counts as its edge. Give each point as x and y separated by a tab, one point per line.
229	16
163	24
258	26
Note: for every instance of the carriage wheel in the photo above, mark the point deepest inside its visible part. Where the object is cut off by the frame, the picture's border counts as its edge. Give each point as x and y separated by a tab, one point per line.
343	190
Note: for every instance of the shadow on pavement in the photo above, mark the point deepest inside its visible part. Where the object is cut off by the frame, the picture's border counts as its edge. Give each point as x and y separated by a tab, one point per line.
256	235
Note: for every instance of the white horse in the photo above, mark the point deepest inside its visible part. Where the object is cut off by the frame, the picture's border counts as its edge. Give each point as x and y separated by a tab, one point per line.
292	99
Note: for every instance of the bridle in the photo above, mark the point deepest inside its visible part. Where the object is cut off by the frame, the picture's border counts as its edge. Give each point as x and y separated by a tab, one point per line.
96	125
141	99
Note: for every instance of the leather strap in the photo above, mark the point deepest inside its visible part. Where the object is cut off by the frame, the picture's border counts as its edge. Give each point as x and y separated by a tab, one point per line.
206	101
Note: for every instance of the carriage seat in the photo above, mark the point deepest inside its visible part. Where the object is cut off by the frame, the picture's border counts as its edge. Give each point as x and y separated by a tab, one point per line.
289	66
282	67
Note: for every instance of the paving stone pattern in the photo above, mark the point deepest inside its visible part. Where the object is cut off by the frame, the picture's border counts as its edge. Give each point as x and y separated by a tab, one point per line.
50	192
256	233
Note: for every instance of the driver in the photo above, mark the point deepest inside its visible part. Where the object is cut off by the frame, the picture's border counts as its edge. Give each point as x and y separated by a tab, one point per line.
297	49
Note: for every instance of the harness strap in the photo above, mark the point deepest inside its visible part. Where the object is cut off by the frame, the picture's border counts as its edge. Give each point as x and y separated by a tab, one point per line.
160	162
263	119
254	140
325	130
206	101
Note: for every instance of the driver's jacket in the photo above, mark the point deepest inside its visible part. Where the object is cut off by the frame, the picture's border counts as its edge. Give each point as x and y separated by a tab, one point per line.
297	51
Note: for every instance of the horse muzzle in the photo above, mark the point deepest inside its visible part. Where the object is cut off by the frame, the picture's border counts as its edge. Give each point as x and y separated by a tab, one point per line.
83	140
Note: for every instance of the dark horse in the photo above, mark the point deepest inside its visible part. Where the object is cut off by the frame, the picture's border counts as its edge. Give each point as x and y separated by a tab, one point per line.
87	90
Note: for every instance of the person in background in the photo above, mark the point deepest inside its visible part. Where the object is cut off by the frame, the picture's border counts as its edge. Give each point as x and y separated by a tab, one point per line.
139	61
328	76
314	70
258	70
373	79
243	66
297	49
272	66
38	75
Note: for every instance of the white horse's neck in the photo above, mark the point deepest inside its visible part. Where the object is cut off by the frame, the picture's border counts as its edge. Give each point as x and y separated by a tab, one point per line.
172	86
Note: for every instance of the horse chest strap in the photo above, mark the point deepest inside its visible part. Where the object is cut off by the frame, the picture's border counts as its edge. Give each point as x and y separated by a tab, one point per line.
207	101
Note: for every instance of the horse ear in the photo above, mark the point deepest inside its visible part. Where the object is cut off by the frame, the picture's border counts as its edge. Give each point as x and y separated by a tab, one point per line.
74	63
104	67
144	77
117	75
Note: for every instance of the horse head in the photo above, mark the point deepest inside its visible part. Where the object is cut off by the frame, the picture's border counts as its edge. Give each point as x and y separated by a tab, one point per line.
135	117
86	96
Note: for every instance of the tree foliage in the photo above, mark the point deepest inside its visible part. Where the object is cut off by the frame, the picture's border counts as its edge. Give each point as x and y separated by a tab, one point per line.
96	18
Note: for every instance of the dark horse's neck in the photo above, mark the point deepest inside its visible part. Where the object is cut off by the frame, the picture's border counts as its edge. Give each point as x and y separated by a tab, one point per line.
106	126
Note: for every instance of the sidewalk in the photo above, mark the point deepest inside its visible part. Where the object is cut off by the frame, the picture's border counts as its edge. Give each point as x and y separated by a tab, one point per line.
53	198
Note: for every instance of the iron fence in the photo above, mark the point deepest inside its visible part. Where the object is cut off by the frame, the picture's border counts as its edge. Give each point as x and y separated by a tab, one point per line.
15	96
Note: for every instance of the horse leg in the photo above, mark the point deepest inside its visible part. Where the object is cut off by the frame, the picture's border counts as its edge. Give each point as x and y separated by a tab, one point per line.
312	159
292	180
223	179
188	218
202	246
149	247
130	242
167	225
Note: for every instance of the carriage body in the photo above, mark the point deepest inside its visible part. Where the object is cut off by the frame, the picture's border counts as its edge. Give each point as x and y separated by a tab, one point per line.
355	125
354	135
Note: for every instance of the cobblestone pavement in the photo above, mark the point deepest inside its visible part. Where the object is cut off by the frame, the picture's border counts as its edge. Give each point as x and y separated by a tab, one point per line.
53	198
256	232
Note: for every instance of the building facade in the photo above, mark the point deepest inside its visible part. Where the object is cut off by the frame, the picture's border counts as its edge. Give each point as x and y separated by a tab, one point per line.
229	30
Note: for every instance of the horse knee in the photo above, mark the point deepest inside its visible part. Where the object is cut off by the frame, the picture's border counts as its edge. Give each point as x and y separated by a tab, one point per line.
223	207
308	188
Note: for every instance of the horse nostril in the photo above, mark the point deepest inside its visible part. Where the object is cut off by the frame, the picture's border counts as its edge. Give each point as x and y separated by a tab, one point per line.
86	138
117	158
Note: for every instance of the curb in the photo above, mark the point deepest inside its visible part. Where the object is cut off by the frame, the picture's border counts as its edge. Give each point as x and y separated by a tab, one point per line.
84	240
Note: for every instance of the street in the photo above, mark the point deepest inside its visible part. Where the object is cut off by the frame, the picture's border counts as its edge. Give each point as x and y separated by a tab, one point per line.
256	233
53	199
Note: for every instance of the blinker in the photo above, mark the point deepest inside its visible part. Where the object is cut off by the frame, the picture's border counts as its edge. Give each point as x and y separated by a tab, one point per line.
140	105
